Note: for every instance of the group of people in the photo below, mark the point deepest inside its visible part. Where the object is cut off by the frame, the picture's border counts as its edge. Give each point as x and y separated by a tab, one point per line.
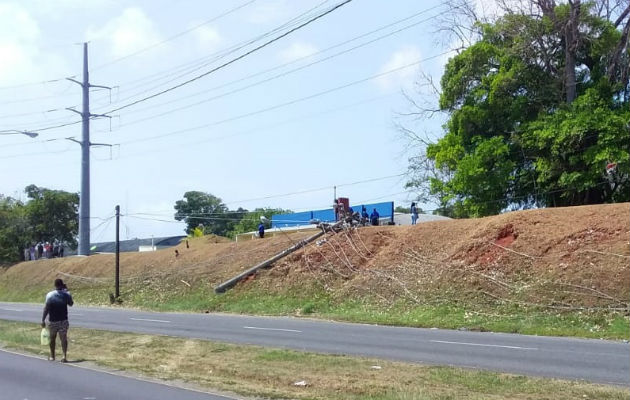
350	215
374	218
43	250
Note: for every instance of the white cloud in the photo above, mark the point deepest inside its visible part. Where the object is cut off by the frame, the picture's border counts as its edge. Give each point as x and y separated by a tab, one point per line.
17	24
404	77
207	37
297	50
129	32
19	33
268	11
59	9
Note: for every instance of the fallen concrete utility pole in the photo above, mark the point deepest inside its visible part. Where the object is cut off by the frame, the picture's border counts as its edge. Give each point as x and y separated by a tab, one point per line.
222	288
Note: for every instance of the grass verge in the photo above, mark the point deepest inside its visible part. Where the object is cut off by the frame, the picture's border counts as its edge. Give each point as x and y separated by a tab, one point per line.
271	373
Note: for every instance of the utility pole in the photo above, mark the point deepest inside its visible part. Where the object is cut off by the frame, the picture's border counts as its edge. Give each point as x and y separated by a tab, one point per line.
84	199
117	252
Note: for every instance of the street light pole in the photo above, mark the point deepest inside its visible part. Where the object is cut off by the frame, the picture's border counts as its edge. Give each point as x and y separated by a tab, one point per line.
16	132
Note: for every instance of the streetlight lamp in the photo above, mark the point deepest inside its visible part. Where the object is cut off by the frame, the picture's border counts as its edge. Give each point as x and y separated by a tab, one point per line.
16	132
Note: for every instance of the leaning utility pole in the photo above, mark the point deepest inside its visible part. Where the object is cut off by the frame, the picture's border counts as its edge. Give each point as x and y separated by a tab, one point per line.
84	199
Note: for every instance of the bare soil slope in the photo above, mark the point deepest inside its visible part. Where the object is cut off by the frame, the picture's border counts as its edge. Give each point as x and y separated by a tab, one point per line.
562	258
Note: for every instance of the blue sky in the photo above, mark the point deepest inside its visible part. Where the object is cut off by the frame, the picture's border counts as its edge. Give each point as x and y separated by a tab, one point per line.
237	146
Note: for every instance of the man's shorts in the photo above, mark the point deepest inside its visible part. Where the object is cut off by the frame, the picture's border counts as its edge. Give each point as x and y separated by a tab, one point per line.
58	327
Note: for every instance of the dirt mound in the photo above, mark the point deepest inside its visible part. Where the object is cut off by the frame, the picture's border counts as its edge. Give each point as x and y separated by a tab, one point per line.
560	258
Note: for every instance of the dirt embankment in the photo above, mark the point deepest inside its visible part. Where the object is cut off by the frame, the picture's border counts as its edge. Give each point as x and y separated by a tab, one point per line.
559	258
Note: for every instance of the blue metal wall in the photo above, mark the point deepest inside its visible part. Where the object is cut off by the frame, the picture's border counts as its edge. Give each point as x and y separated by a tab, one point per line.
324	215
386	210
294	219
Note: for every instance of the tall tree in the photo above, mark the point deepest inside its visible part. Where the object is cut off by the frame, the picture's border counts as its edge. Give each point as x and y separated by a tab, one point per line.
14	235
48	215
52	214
537	107
204	209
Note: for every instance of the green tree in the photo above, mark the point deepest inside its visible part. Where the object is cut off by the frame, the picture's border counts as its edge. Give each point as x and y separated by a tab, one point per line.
537	108
13	230
47	215
52	215
204	209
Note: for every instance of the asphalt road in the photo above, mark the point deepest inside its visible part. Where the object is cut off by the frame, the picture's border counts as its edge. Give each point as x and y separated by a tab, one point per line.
30	378
598	361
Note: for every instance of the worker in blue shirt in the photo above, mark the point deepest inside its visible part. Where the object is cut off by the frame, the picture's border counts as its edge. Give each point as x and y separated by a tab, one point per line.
364	216
261	230
374	217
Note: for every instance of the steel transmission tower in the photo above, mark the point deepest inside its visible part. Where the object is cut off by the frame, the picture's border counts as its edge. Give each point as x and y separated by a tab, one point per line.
84	198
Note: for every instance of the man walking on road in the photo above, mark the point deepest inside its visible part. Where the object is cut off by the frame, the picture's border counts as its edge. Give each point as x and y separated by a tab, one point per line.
56	309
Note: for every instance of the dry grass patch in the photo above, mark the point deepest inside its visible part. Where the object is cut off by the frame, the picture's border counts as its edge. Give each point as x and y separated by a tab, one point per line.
271	373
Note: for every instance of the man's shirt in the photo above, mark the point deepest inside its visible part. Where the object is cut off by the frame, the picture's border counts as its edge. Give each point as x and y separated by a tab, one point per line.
57	302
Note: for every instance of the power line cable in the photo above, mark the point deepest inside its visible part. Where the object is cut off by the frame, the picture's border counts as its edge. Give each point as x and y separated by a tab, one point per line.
513	151
38	98
294	70
292	62
255	49
215	57
177	35
100	235
6	116
259	129
328	49
267	109
100	66
266	80
369	180
291	102
22	85
356	203
213	139
190	67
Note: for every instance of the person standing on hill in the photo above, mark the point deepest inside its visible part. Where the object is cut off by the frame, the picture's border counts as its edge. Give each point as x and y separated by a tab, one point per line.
374	217
414	213
364	216
56	309
261	230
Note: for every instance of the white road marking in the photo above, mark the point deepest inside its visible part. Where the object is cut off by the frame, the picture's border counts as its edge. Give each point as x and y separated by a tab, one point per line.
485	345
10	309
271	329
150	320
